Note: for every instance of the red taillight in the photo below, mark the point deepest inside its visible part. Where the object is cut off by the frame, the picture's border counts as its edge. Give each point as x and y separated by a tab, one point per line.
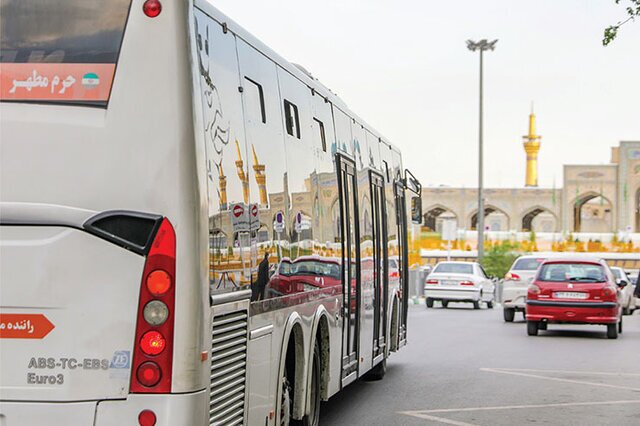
153	351
533	289
609	291
511	276
152	343
149	373
394	274
432	281
147	418
152	8
466	283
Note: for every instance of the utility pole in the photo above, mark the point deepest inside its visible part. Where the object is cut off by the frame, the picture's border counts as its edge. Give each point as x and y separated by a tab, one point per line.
481	46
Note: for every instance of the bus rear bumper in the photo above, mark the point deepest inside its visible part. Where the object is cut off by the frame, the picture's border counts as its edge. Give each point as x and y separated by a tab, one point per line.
170	409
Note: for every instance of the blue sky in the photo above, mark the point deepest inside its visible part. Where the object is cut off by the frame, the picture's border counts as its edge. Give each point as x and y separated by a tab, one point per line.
403	67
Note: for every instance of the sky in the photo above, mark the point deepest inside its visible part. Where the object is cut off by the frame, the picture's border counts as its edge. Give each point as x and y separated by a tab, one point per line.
403	66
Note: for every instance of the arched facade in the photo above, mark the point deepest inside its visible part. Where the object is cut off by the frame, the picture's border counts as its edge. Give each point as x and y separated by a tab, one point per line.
539	219
592	212
434	215
495	219
552	210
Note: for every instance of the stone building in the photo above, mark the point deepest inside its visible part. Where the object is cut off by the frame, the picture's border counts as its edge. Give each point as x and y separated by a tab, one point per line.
593	198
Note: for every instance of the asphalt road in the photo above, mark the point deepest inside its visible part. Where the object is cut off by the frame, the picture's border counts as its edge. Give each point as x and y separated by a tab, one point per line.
464	367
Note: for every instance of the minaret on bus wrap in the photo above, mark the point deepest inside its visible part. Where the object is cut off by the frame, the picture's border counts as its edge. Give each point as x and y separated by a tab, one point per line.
532	147
242	175
261	178
223	186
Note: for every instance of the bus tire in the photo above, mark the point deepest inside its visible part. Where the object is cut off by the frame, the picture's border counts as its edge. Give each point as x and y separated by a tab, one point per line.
377	372
286	401
313	418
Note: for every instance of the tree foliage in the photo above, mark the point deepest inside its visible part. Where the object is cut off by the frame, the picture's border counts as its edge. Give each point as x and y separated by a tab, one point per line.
633	11
499	258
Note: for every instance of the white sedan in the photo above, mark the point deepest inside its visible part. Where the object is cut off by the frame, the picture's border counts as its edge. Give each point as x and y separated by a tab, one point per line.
628	302
459	282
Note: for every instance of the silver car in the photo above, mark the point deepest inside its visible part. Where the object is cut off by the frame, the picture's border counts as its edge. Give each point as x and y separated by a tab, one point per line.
628	301
514	287
459	282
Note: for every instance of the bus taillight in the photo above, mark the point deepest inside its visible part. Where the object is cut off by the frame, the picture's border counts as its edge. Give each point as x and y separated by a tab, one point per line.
153	350
152	8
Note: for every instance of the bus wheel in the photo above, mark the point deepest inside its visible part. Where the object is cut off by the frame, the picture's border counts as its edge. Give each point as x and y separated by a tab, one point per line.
377	372
313	418
285	401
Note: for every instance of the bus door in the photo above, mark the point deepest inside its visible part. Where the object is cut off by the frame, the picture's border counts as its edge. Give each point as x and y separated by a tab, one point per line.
403	266
350	267
380	268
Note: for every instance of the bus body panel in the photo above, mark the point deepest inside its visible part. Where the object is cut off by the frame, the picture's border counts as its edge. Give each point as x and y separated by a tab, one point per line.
51	414
304	317
66	277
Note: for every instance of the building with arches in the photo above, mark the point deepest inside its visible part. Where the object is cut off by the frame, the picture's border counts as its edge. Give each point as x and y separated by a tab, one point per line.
601	198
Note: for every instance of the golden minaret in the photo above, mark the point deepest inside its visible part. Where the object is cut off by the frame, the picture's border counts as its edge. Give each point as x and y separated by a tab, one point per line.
261	178
223	186
242	175
532	147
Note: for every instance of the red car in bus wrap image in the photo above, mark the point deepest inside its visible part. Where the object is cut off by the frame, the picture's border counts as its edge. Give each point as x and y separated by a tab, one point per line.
574	291
303	274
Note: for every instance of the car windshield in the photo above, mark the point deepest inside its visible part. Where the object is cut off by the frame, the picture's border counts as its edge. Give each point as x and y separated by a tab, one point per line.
572	272
454	268
313	267
527	264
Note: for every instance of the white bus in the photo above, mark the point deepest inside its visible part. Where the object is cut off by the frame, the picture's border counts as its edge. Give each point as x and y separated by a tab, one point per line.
193	230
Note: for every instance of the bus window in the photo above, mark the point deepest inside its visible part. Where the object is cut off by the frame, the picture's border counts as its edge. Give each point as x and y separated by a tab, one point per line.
60	51
291	118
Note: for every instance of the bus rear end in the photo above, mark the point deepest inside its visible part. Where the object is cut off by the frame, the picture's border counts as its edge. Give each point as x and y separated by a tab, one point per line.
98	324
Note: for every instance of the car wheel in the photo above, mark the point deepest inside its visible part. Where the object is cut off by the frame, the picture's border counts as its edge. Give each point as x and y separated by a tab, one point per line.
542	326
445	304
612	331
429	302
476	305
490	304
532	328
626	311
509	314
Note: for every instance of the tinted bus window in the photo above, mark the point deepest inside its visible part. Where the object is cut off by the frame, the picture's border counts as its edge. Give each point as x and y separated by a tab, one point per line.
62	51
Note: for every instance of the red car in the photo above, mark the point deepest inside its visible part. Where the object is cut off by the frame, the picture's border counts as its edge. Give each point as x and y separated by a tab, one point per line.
574	291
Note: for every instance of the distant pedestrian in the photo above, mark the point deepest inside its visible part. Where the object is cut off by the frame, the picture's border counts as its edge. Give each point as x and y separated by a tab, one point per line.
257	290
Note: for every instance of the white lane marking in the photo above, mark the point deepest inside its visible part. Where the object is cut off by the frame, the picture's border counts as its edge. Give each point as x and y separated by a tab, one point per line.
557	379
425	414
421	415
587	373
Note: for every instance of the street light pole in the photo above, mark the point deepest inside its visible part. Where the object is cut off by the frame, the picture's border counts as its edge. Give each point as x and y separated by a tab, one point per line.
481	45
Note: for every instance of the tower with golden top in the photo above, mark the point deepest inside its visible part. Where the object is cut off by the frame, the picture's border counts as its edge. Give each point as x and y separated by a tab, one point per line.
261	178
244	179
532	147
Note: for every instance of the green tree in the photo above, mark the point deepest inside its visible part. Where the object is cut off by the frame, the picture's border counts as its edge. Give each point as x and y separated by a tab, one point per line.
499	258
633	11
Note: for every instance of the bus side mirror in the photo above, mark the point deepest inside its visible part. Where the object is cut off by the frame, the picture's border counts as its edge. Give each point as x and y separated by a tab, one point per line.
416	210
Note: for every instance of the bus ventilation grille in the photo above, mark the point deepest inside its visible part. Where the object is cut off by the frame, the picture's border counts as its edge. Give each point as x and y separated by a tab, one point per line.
228	369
